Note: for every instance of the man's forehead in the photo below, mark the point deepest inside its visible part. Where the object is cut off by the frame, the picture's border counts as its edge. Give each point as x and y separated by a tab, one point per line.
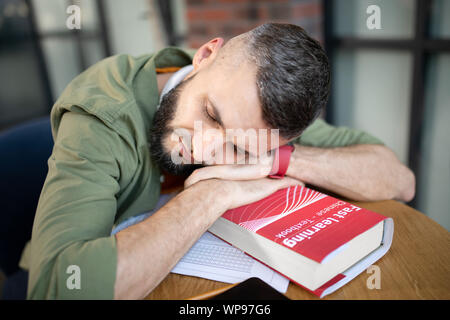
236	97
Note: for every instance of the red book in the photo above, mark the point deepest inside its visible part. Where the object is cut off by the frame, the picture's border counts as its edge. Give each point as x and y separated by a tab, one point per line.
315	240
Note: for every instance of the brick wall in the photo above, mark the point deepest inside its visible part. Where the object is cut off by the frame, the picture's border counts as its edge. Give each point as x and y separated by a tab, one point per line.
208	19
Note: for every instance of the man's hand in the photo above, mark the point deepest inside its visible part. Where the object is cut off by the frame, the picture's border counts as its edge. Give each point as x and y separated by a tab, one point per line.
231	172
242	192
260	169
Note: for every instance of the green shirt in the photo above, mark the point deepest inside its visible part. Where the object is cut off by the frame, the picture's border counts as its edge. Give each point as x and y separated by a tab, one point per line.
101	173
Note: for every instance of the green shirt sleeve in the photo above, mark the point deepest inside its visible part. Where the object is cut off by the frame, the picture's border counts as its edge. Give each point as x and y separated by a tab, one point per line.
75	214
322	135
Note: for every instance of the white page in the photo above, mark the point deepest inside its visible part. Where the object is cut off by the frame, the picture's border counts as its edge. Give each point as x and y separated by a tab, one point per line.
214	259
367	261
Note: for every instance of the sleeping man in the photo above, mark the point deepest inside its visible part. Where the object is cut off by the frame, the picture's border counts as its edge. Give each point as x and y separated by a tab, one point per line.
128	128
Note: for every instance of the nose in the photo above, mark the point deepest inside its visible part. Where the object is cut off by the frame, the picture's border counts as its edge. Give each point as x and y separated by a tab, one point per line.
207	145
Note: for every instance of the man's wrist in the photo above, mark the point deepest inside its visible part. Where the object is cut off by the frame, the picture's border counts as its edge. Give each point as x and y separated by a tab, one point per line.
301	164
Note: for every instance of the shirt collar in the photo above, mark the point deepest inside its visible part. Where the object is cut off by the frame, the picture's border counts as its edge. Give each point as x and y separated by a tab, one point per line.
175	79
145	84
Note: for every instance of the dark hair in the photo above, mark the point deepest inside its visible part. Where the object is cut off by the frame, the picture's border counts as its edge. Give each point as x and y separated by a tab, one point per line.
293	76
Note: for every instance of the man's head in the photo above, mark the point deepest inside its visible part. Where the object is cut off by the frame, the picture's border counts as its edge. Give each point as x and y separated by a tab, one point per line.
272	77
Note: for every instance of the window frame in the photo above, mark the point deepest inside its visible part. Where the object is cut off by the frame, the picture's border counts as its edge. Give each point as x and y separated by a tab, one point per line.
421	46
78	35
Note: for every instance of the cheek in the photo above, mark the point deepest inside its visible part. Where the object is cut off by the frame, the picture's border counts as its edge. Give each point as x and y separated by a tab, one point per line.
185	116
172	140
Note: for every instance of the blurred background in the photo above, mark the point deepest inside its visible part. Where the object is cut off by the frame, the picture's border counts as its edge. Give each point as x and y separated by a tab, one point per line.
393	82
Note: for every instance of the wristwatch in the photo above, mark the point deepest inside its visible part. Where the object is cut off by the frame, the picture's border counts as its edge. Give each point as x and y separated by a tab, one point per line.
281	161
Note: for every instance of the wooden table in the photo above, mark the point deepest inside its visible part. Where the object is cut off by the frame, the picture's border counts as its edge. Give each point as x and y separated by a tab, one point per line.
417	266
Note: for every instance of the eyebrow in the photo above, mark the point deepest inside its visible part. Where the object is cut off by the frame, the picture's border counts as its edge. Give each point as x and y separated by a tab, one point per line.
216	113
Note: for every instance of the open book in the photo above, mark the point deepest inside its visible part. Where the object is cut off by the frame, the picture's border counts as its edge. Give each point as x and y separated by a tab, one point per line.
315	240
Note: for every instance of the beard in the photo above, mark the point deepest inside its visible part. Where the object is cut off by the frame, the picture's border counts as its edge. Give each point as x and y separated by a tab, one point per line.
161	131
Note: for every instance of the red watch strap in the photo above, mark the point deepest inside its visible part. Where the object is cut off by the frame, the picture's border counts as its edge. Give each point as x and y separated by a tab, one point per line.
281	161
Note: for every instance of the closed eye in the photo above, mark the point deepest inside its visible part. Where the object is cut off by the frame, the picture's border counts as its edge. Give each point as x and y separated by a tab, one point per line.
208	115
238	150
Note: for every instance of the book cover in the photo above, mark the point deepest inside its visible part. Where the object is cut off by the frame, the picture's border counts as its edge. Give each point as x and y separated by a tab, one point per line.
312	224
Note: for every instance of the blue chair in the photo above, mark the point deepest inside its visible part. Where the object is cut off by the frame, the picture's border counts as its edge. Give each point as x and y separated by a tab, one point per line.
24	151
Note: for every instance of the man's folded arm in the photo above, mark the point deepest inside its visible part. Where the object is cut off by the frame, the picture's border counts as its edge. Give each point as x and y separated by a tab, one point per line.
72	253
351	163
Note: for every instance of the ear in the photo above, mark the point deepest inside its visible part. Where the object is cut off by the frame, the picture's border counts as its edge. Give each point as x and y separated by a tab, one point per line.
207	53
